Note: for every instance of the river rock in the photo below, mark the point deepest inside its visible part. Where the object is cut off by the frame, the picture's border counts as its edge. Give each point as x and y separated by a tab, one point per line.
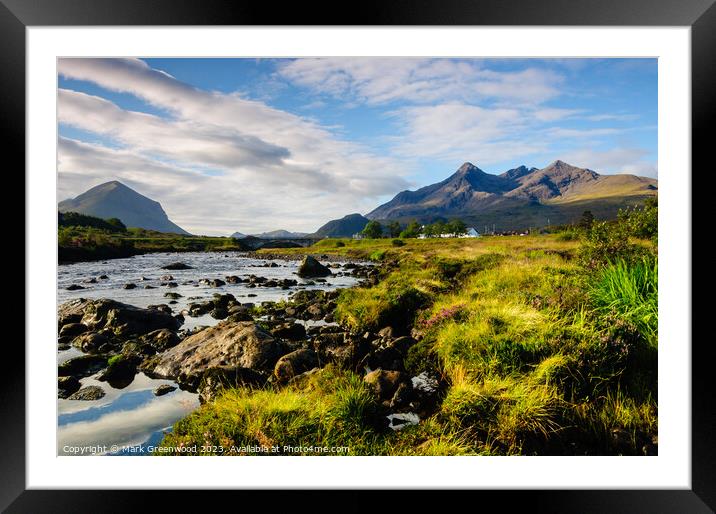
129	286
310	267
161	339
71	311
215	380
295	363
290	331
74	287
219	313
82	366
177	266
227	344
164	389
91	342
88	393
72	329
120	372
384	383
126	320
66	386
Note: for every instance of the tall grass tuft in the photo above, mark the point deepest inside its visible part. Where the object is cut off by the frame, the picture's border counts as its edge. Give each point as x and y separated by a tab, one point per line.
630	293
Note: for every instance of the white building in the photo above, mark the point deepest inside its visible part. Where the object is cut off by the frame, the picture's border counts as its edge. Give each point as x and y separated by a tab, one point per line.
470	232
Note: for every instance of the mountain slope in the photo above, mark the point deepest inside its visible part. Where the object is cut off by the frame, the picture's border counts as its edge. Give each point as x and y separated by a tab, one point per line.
115	200
344	227
280	234
520	197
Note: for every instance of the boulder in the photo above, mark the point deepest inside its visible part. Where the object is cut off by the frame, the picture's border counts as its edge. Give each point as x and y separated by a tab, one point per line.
120	372
72	329
227	344
91	342
74	287
88	393
66	386
125	320
129	285
177	266
310	267
290	331
164	389
71	311
295	363
215	380
161	339
161	307
82	366
384	383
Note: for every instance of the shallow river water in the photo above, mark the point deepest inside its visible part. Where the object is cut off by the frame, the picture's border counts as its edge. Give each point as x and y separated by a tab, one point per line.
126	420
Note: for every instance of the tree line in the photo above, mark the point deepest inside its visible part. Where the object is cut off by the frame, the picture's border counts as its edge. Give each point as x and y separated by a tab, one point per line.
375	230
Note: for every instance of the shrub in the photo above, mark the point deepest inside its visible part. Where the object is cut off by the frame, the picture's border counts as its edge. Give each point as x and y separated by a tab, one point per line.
606	242
398	242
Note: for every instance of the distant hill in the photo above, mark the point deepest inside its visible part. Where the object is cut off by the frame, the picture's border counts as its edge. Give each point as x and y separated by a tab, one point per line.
344	227
115	200
280	234
518	198
274	234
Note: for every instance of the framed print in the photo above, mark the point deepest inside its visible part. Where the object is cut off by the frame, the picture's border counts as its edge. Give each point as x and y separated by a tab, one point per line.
424	247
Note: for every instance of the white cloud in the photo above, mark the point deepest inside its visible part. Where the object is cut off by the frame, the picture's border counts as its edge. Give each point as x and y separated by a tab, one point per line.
619	160
381	80
268	169
265	156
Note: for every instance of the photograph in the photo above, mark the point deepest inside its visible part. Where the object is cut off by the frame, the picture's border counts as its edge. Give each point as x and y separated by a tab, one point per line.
357	256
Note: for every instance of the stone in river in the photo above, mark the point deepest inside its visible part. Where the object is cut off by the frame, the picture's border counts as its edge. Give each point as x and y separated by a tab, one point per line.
310	267
88	393
66	386
74	287
177	266
129	286
164	389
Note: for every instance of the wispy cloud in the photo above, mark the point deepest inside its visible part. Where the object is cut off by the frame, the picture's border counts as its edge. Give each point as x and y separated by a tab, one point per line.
259	149
381	80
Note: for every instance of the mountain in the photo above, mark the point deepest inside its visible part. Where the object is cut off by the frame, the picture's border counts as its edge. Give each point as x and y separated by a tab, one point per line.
238	235
518	198
344	227
115	200
280	234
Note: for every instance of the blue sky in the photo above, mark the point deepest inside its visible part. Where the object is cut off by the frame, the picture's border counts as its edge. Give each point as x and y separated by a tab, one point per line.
260	144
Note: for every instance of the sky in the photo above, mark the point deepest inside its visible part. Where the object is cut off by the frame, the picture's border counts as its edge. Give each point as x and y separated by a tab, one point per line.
253	145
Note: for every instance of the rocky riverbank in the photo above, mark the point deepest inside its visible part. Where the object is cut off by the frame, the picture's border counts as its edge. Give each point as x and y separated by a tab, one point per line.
271	344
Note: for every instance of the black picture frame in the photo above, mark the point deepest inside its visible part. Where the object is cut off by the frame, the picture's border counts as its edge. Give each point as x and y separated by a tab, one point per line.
700	15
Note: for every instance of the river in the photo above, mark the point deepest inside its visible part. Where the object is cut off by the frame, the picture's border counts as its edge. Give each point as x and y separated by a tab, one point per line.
130	419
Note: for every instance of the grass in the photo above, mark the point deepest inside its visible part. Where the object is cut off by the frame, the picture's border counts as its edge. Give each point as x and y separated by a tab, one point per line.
541	355
629	293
